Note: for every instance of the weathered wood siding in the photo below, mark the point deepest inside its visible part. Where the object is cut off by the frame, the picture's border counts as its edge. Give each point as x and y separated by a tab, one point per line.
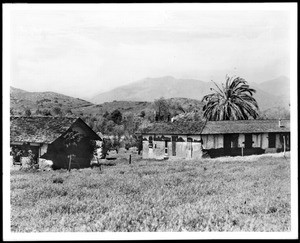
212	141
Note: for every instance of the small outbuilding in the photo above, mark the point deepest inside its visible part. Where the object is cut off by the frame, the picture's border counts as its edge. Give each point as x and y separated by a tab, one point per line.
44	137
215	138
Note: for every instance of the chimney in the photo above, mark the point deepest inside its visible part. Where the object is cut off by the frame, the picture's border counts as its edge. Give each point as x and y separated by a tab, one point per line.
279	122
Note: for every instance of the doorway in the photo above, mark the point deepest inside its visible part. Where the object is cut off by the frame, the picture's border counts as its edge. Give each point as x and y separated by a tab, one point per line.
227	144
174	138
248	140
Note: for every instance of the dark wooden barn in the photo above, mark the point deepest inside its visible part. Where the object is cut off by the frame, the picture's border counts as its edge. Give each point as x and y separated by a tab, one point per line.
44	136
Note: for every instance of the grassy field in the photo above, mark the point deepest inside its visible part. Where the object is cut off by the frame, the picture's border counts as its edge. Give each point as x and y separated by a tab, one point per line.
229	194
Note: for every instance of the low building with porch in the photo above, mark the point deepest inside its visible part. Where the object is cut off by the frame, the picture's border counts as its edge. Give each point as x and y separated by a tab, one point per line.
194	140
44	136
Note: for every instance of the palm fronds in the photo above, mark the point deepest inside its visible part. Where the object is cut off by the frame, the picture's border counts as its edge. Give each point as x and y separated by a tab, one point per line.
233	101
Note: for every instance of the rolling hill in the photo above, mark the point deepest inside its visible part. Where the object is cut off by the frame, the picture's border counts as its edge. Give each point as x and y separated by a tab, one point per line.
21	99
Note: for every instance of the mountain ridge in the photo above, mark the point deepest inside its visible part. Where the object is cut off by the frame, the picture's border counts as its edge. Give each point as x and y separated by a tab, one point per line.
269	93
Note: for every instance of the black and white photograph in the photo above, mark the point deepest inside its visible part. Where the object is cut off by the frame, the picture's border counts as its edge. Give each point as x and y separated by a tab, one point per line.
150	121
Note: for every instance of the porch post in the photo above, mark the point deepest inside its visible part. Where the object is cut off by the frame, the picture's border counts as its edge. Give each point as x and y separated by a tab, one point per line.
284	145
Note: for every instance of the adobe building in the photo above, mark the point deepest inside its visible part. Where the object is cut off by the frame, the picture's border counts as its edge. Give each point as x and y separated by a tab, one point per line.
195	140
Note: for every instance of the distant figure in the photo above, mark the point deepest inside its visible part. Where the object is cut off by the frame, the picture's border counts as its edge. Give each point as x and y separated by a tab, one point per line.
31	156
17	154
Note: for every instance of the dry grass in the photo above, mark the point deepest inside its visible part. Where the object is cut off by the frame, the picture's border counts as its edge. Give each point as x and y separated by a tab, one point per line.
229	194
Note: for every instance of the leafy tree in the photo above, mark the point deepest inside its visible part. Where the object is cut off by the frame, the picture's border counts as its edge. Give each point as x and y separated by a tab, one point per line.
162	109
275	113
106	114
27	112
134	141
106	146
100	124
118	131
116	117
69	112
46	112
109	144
232	101
109	127
142	114
57	111
130	123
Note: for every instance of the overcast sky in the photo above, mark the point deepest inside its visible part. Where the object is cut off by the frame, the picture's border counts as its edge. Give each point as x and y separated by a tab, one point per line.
80	53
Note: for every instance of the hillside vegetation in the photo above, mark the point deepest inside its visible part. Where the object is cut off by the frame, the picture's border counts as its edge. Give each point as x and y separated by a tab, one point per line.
125	117
241	194
271	93
43	102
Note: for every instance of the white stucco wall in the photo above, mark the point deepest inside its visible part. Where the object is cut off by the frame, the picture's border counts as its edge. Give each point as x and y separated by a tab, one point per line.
264	141
241	140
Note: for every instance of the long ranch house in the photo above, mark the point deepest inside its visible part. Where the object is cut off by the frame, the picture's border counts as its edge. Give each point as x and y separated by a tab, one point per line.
44	137
194	140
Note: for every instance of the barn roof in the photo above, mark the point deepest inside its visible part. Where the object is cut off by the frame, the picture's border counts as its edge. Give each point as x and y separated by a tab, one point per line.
43	129
218	127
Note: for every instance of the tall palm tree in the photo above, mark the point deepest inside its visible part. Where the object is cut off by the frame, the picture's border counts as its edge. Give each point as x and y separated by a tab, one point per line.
232	101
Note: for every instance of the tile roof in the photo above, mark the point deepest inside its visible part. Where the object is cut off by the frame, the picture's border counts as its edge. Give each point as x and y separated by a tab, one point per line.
42	129
246	126
186	127
218	127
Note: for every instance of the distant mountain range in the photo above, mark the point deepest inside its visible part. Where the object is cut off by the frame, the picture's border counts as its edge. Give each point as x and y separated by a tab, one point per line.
272	93
138	96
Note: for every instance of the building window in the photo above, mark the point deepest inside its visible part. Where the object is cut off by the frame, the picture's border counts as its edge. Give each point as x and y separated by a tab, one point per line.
150	142
248	140
272	140
166	147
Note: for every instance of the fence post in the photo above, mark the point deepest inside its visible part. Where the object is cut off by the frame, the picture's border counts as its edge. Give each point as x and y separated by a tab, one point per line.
70	158
130	159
